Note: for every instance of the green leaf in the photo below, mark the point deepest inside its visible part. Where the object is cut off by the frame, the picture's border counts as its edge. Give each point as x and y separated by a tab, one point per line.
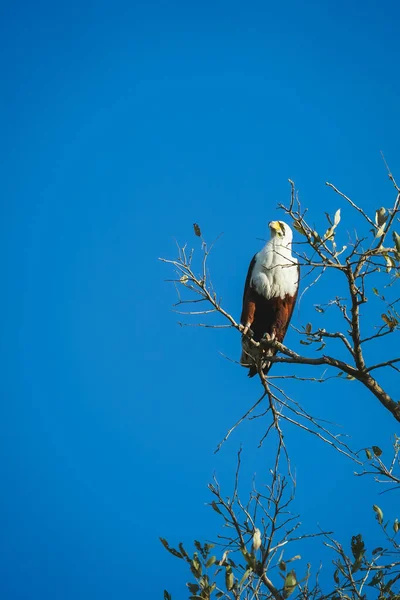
282	565
316	237
211	561
387	588
319	308
245	576
297	557
249	558
195	566
299	227
290	584
196	230
376	579
376	450
229	579
368	453
396	239
357	546
396	526
256	539
304	343
358	550
183	551
376	550
193	587
336	218
167	595
329	234
380	231
336	576
391	322
380	216
390	263
215	507
203	582
171	550
308	328
219	594
232	563
379	513
375	292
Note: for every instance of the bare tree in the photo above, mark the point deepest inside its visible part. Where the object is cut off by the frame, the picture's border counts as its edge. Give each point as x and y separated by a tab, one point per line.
368	265
253	558
360	263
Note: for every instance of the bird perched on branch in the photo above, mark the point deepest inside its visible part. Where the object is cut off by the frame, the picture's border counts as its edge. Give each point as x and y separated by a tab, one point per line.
269	297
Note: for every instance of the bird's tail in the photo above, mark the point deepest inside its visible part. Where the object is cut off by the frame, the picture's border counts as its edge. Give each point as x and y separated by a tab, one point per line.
250	358
253	369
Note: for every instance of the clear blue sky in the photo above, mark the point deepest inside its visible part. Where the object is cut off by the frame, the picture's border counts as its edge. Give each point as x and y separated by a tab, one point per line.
122	123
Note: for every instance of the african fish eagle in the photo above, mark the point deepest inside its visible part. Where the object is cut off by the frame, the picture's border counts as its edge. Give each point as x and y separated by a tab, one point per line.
269	296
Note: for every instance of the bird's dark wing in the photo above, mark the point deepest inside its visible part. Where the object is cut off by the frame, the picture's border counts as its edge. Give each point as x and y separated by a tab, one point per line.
248	308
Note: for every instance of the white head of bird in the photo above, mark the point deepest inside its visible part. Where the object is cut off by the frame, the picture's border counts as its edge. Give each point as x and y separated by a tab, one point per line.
281	234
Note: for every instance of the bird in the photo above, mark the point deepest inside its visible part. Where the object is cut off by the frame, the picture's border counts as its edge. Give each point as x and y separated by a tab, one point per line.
269	297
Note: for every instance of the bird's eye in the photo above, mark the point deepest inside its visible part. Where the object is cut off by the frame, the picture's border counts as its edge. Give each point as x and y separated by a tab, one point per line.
282	227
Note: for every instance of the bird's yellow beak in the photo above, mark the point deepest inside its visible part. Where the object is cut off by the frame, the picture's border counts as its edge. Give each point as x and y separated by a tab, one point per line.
275	226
